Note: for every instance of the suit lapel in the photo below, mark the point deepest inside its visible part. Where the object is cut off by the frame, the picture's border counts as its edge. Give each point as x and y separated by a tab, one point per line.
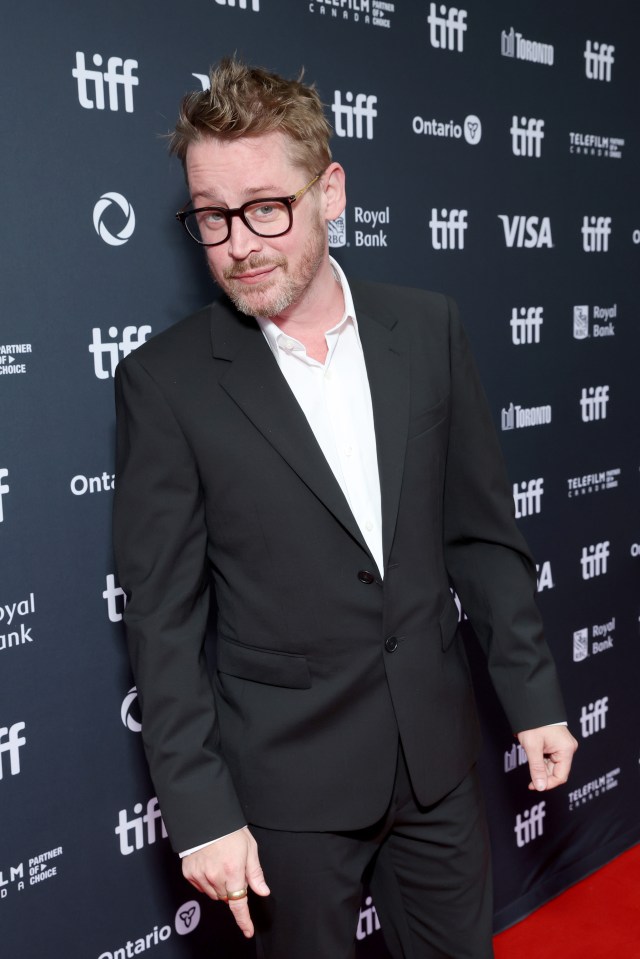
255	383
387	362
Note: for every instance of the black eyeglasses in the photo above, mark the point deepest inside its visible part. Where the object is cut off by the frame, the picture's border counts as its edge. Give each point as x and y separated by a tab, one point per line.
267	216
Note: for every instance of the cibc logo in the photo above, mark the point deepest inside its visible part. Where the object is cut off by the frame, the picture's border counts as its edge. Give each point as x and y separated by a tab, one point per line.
126	232
119	73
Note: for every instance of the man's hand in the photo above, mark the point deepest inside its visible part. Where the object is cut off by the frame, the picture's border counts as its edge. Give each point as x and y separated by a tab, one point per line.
228	865
549	750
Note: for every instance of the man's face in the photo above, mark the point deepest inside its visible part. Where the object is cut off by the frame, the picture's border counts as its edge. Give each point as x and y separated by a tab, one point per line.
263	276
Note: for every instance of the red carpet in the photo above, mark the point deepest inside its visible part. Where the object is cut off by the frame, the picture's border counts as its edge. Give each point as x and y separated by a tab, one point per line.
598	918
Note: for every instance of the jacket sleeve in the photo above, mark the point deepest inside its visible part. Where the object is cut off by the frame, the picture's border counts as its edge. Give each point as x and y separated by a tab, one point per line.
486	556
160	547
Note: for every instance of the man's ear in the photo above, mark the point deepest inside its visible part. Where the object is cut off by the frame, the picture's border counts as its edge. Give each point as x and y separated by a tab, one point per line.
334	197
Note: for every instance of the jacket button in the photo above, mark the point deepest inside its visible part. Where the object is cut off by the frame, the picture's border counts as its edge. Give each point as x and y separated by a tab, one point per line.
366	577
391	644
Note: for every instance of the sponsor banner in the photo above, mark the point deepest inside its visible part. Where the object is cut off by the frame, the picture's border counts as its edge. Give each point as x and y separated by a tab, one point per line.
593	482
596	321
470	129
593	789
526	232
30	871
593	144
601	636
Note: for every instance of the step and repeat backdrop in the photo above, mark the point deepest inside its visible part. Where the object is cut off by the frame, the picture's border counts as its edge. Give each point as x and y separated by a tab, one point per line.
492	152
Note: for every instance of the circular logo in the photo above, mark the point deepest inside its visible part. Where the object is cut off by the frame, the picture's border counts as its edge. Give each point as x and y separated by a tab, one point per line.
472	129
103	204
127	711
187	917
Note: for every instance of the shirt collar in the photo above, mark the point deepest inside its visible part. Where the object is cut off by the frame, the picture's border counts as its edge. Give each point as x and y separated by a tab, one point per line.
273	333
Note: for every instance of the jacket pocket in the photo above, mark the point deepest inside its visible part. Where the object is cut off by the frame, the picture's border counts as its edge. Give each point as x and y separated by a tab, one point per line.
263	665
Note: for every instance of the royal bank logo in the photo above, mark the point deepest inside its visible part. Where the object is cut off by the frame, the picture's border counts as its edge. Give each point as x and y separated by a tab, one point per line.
337	230
4	489
596	231
447	27
130	711
513	44
375	13
589	641
593	403
354	117
594	559
12	358
103	214
12	618
544	576
92	83
140	830
132	338
591	144
116	599
526	323
528	232
593	718
593	483
448	228
527	497
593	789
598	60
527	135
11	742
370	232
514	417
470	129
530	824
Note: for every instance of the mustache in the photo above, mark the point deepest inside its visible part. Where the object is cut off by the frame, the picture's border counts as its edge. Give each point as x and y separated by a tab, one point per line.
253	263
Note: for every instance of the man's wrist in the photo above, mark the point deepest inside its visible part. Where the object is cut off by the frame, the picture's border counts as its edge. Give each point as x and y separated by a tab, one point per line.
203	845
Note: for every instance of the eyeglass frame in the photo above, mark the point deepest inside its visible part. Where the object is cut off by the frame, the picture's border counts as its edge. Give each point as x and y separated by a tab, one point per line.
229	213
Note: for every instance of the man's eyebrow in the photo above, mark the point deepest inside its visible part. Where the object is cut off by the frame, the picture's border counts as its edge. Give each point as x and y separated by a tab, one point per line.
268	190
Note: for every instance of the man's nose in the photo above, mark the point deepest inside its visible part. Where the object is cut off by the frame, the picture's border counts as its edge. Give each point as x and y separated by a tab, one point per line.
242	241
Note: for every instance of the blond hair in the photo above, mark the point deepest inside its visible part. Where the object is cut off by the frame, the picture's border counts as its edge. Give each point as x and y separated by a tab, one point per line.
248	101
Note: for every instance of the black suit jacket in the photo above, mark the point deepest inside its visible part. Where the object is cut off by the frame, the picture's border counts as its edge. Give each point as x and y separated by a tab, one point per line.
321	663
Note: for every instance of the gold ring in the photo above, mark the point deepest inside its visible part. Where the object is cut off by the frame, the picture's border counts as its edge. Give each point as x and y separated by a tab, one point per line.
237	894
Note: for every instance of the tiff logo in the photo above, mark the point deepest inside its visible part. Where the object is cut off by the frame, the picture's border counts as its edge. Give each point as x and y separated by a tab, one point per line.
132	338
598	60
112	594
363	111
447	30
527	136
594	559
4	488
530	825
593	717
525	324
113	77
242	4
593	403
596	231
11	742
134	829
448	232
528	497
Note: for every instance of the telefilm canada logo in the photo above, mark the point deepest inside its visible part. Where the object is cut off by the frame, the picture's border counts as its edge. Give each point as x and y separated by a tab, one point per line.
590	641
596	321
132	338
593	482
34	869
92	83
186	920
103	214
354	117
470	129
447	27
593	789
595	145
374	13
514	45
13	621
13	358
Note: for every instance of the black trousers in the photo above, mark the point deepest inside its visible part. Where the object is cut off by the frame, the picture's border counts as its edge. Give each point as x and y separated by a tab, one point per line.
428	869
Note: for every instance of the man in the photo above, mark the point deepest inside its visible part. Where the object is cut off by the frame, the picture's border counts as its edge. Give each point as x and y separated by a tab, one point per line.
317	456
